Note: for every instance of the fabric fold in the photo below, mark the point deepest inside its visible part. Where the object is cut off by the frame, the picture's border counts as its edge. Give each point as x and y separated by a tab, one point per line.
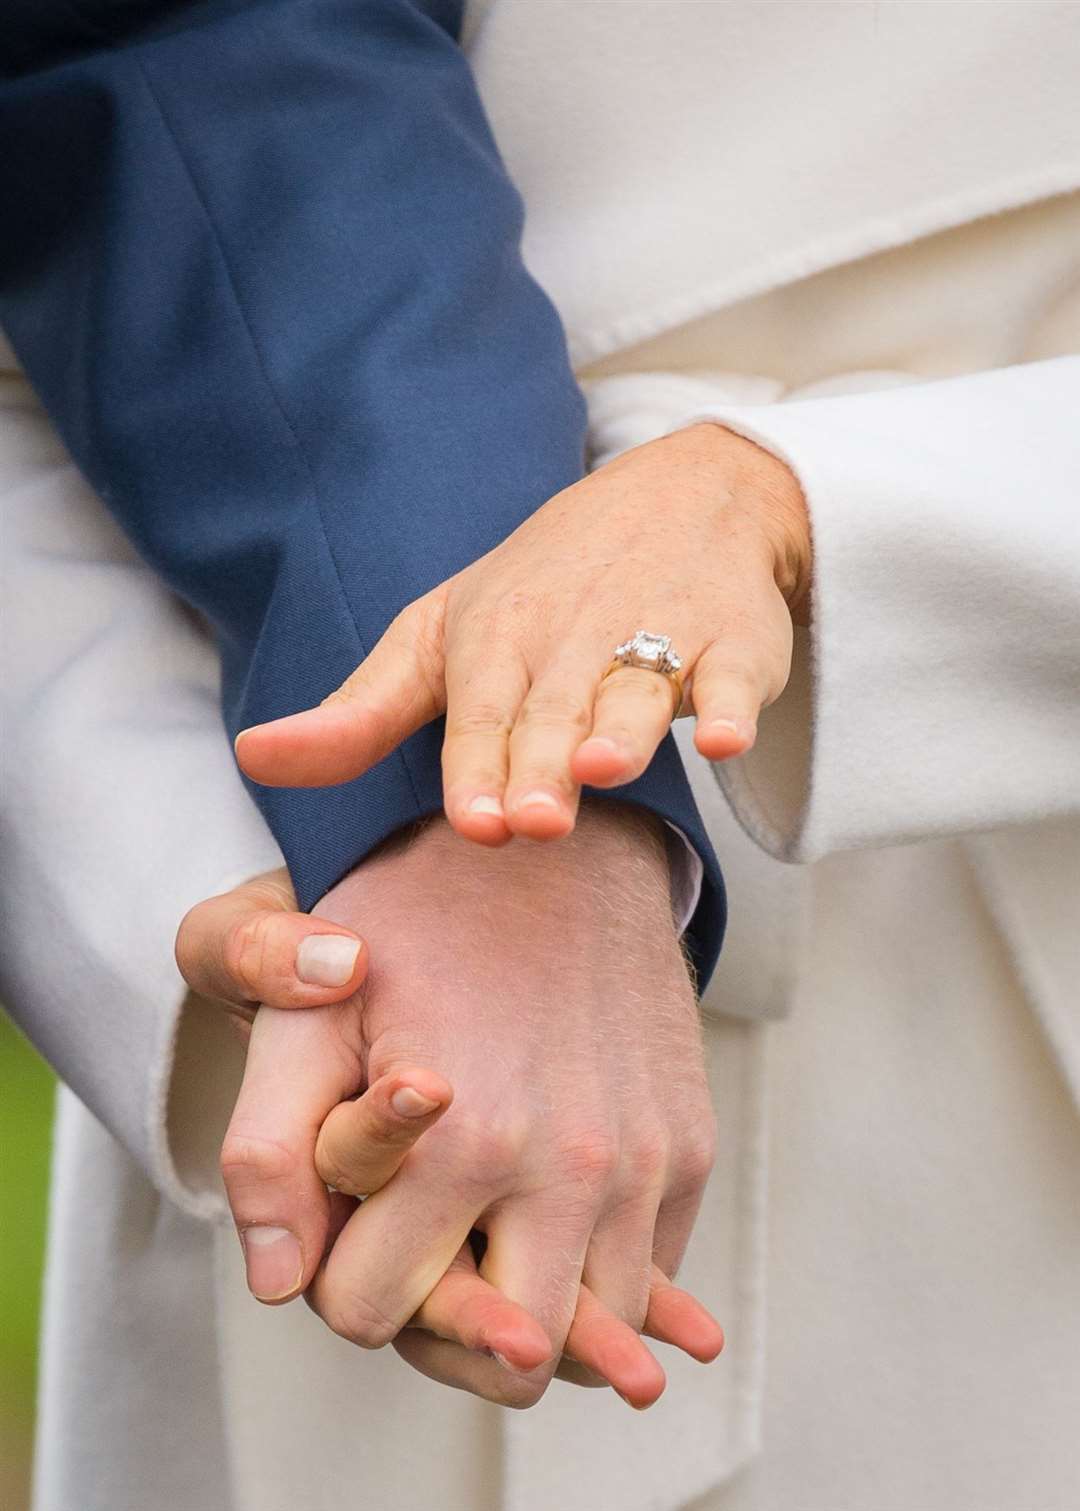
129	664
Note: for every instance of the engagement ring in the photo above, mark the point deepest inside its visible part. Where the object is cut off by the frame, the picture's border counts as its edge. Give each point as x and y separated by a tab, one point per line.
651	653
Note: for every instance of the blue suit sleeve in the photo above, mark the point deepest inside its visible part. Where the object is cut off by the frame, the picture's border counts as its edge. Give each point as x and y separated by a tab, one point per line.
261	261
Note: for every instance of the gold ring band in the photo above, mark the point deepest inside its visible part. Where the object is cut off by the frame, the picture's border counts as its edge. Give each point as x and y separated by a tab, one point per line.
674	678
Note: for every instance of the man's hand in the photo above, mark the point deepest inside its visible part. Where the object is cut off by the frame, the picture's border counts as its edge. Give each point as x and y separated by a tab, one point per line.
548	986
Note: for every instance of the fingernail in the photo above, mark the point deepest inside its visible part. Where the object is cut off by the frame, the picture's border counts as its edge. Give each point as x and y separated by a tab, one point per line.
605	743
515	1369
743	729
408	1103
486	805
327	959
538	800
275	1265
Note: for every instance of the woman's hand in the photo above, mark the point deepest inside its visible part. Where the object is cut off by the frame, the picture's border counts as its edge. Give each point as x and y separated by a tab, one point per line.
701	536
251	945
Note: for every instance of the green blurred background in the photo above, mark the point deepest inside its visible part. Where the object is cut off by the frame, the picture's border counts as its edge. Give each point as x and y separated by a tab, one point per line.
26	1098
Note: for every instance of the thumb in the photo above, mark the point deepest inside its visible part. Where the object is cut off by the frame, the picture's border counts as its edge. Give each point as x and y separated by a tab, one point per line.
294	1074
250	945
398	688
362	1143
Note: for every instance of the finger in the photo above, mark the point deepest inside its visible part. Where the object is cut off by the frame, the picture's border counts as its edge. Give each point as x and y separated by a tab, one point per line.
363	1143
450	1364
676	1317
576	1374
736	677
248	945
606	1346
392	1253
535	1256
682	1200
618	1266
465	1309
633	712
615	1288
542	793
614	1353
728	699
674	1225
398	688
296	1072
484	691
616	1356
673	1316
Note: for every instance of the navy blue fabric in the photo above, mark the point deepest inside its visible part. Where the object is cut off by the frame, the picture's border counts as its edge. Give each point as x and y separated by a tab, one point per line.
261	261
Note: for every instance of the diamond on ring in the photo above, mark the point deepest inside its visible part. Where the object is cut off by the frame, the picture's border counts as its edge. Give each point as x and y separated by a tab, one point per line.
653	653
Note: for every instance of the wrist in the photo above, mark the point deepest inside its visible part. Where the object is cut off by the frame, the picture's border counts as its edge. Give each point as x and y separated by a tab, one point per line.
610	843
616	855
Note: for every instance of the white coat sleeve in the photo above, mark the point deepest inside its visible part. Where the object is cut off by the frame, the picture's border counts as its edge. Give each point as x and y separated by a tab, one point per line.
120	806
939	690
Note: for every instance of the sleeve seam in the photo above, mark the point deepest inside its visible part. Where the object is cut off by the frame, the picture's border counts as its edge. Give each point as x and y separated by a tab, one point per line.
268	382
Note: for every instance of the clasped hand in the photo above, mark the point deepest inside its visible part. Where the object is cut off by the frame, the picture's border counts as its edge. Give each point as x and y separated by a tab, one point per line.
543	1212
545	984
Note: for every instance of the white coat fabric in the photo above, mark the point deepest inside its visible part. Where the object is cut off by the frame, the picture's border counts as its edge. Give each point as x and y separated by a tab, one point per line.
907	1136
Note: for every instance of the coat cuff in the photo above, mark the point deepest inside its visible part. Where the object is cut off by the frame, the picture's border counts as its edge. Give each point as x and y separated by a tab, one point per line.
936	692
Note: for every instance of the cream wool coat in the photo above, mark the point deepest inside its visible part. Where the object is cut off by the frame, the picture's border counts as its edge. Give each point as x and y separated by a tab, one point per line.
896	1195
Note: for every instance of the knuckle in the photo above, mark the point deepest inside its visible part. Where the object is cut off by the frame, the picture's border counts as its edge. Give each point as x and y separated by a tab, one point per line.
489	1155
333	1174
483	718
272	890
380	1134
345	696
397	1046
648	1155
425	636
654	690
543	709
589	1155
420	631
247	1157
418	619
727	669
412	638
335	1169
358	1320
697	1155
247	952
